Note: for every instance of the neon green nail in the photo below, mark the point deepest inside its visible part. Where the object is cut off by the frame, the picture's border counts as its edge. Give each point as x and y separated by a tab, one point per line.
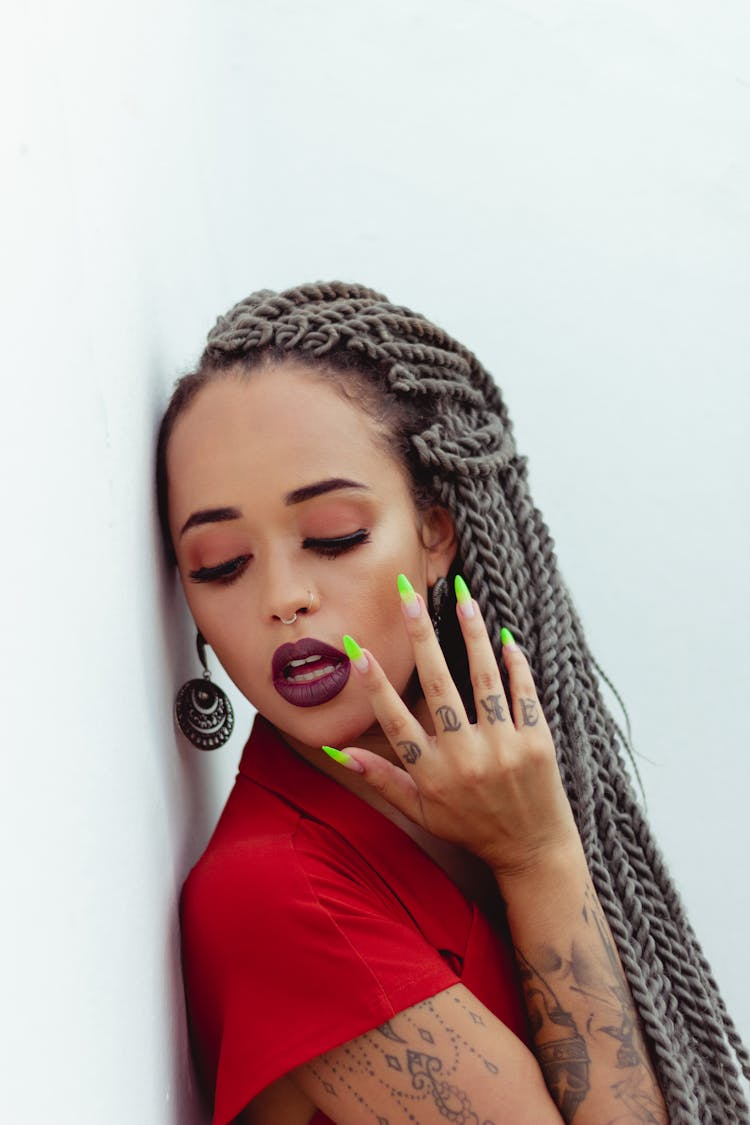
352	649
408	596
507	638
463	598
343	759
405	588
355	654
462	590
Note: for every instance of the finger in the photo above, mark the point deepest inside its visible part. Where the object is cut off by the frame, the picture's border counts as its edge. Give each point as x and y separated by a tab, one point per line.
527	710
402	730
392	783
441	694
489	694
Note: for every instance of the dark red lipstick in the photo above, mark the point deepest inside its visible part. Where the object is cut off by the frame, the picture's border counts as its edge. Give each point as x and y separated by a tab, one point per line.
309	672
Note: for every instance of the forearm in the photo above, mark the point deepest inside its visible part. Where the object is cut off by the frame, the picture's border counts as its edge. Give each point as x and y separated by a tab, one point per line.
585	1030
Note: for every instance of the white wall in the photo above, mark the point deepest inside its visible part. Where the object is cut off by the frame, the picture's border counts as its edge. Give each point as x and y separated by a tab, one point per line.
564	185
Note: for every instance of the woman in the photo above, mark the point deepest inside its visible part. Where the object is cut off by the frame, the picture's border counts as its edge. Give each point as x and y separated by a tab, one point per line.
456	912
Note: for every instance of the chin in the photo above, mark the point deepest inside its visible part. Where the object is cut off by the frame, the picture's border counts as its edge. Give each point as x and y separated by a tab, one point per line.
313	726
334	730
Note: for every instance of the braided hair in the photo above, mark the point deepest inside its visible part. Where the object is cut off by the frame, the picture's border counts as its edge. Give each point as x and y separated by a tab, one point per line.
447	420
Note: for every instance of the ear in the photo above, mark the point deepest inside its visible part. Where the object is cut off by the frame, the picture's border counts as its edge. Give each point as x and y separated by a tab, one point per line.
439	541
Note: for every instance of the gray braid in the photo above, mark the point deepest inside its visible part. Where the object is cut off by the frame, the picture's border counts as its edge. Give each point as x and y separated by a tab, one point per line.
467	449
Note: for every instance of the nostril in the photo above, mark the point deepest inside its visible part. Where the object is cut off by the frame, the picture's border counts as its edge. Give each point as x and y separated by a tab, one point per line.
300	609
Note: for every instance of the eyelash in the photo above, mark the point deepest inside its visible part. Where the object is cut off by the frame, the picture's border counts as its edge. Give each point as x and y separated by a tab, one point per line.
332	548
227	572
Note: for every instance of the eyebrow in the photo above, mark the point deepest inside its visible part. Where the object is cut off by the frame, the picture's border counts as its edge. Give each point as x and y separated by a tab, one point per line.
297	496
333	484
210	515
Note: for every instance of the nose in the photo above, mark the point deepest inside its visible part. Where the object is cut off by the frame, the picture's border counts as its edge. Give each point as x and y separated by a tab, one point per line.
289	608
285	584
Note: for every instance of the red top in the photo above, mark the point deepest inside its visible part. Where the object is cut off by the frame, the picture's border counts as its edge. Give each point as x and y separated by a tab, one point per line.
310	919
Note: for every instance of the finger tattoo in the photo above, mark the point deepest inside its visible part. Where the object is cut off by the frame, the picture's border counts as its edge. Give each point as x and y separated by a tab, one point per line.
411	752
529	712
451	721
493	709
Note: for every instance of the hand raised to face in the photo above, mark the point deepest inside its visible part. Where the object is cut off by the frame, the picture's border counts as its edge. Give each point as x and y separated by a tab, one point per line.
492	786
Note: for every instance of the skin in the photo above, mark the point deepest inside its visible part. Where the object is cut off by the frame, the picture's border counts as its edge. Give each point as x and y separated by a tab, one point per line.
239	444
490	790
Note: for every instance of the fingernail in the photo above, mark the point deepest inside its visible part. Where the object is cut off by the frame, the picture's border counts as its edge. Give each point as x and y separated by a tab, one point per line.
343	759
355	654
409	598
463	598
507	639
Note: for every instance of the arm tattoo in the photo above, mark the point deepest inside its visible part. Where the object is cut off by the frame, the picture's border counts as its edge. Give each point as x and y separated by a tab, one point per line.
451	1102
560	1048
493	709
411	752
422	1060
387	1031
451	721
475	1016
592	971
638	1088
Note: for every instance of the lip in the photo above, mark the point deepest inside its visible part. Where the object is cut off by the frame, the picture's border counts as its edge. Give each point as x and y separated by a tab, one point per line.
318	691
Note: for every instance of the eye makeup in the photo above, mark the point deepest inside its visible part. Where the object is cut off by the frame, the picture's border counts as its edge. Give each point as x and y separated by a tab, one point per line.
329	548
224	573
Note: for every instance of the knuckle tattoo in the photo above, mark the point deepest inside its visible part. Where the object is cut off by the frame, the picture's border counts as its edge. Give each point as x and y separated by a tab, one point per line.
493	709
411	752
449	717
529	711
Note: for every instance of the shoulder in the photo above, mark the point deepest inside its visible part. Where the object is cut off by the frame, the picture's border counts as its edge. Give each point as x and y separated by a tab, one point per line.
267	874
250	858
251	899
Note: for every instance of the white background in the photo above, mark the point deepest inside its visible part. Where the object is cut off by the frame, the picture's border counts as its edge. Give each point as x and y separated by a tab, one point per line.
564	186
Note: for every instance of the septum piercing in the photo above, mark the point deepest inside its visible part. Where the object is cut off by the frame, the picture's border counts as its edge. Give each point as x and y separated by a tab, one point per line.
293	618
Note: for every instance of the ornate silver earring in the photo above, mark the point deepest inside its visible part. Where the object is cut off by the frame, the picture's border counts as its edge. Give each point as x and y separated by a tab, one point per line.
438	595
202	710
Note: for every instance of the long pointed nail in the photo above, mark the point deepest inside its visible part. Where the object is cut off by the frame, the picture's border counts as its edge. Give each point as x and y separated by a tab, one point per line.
355	654
463	598
409	599
507	639
343	759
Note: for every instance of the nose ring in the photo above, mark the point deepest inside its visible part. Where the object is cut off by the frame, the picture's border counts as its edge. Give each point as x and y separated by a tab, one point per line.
293	618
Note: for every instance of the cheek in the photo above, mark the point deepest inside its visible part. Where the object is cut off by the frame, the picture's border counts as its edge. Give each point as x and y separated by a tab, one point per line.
384	634
226	626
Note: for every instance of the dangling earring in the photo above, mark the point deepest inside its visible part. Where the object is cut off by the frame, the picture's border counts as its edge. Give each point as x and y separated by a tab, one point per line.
202	710
438	595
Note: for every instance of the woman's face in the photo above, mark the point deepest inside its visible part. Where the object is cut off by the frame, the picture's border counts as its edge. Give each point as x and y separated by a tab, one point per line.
278	489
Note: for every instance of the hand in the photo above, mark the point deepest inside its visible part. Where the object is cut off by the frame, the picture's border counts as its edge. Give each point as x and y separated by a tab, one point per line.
493	787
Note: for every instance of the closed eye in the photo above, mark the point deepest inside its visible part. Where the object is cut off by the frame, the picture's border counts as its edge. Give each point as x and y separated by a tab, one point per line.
332	548
225	572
